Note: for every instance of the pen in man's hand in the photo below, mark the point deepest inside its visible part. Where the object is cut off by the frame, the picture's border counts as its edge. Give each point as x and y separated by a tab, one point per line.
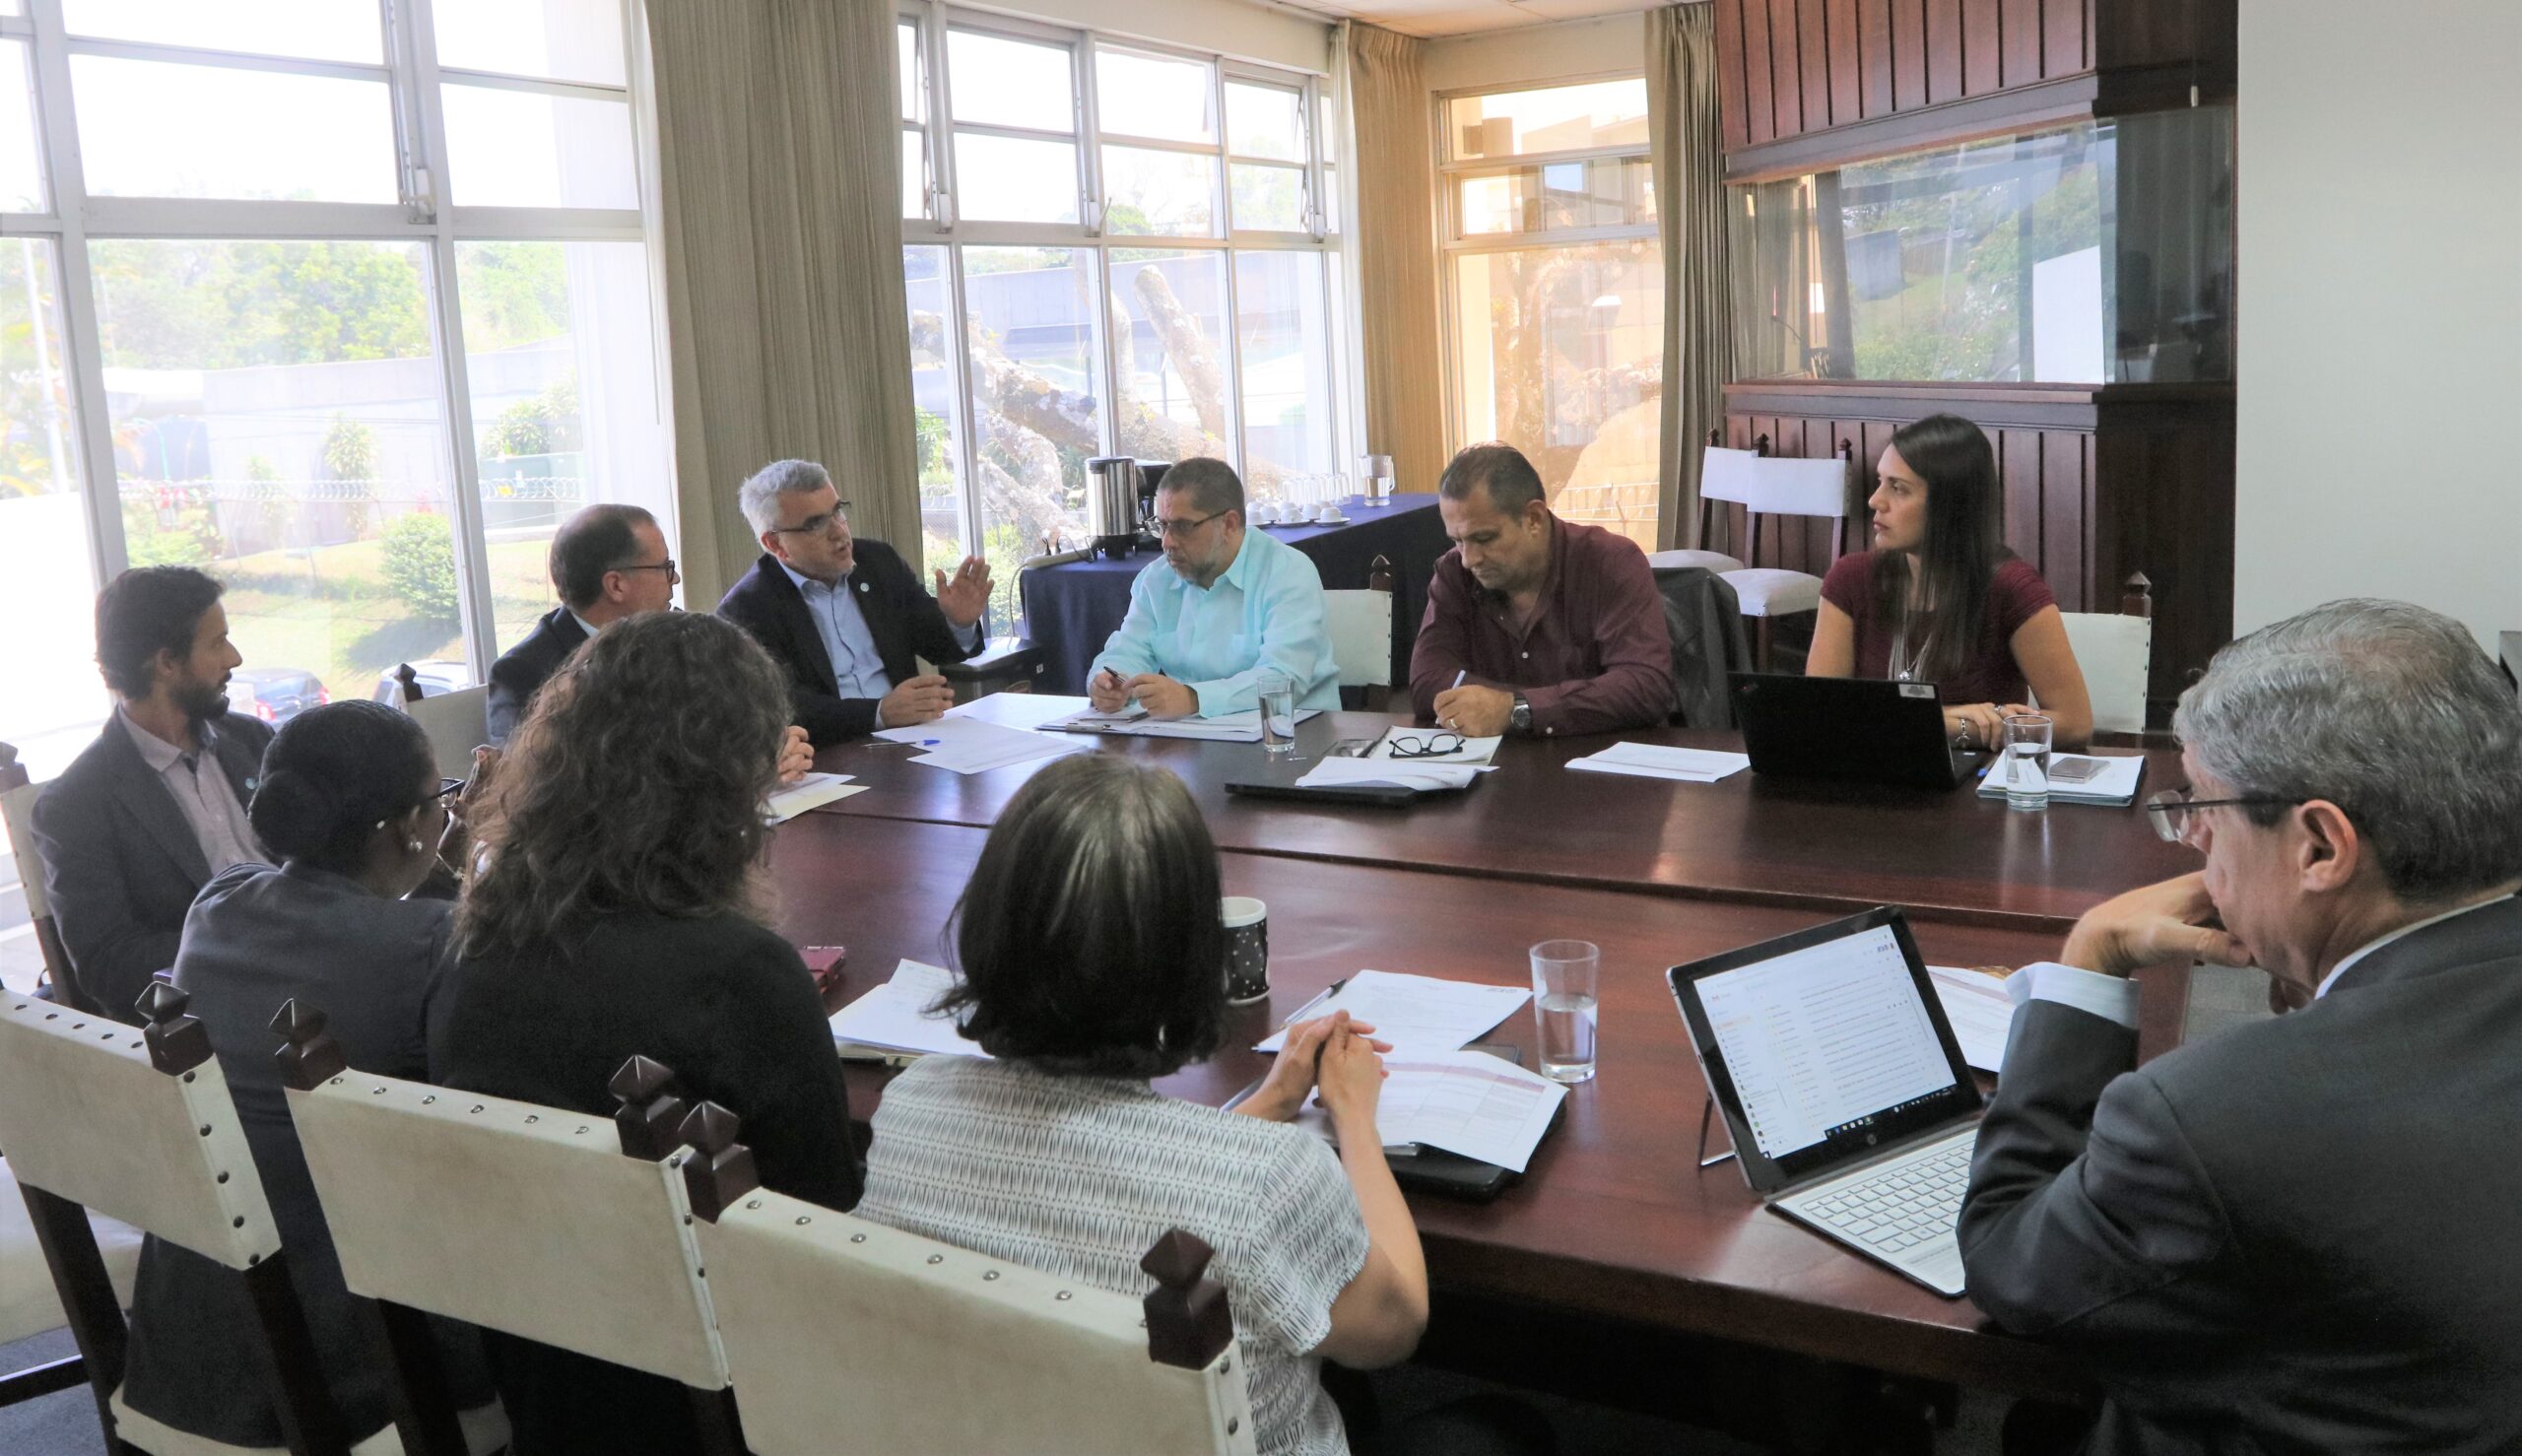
1458	677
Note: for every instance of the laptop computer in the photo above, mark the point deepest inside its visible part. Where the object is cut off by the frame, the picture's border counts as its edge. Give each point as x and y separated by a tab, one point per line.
1862	728
1850	1107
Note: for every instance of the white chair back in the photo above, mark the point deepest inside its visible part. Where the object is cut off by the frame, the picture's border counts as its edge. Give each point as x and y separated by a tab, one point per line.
17	815
87	1114
1776	486
1726	474
975	1355
1361	628
2115	653
456	723
29	1303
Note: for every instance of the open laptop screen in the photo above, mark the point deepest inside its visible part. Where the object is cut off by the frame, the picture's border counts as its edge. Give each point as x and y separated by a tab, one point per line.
1824	1046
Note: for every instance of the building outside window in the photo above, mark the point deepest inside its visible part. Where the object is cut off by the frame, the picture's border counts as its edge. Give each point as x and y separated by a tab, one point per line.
1136	241
1553	285
345	303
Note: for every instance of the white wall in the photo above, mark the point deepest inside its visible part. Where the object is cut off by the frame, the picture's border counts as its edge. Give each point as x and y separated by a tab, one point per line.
1569	50
2380	219
1240	29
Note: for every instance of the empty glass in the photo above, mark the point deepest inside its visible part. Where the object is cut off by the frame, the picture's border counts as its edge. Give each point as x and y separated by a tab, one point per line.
1565	983
2026	766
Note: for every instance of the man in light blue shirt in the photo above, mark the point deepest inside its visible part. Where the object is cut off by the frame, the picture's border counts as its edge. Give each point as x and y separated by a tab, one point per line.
1224	606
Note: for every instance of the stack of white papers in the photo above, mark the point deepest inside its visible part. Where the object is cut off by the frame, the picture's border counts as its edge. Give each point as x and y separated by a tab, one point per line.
2115	783
1469	1102
1401	772
975	745
1657	761
1981	1012
790	800
1019	709
1417	1014
1242	727
1472	750
894	1017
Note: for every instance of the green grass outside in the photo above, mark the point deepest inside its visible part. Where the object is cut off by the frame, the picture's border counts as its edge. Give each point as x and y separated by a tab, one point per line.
328	611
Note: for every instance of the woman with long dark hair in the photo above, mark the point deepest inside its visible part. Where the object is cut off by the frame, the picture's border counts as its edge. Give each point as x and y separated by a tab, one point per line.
1941	600
350	803
620	910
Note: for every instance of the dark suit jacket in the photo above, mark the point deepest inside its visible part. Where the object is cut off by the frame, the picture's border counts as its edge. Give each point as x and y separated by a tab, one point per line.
255	938
120	863
522	670
2298	1236
904	619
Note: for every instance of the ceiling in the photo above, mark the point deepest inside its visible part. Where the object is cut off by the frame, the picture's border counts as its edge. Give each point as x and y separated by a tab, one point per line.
1434	18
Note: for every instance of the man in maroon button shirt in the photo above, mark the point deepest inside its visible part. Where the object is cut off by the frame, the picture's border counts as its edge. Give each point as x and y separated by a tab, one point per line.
1535	624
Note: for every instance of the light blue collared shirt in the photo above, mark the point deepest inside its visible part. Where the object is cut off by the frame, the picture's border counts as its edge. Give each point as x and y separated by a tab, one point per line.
850	642
1266	613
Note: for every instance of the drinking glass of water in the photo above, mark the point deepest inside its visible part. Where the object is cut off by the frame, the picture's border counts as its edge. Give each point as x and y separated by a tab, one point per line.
1564	999
2026	766
1278	705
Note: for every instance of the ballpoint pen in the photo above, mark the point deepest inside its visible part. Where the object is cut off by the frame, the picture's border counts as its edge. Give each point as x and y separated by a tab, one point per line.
1319	997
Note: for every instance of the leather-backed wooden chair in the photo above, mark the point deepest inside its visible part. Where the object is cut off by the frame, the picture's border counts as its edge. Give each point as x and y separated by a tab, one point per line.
1724	469
454	722
137	1124
2115	652
546	1224
1773	486
1360	626
968	1354
18	796
1002	665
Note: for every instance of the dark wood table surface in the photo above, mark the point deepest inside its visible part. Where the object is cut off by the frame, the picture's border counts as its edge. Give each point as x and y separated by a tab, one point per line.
1613	1216
1811	844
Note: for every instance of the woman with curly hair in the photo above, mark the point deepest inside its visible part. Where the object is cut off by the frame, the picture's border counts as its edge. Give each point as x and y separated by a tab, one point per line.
620	910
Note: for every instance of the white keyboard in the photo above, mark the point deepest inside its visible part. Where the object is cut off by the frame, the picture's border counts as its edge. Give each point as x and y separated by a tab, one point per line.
1897	1207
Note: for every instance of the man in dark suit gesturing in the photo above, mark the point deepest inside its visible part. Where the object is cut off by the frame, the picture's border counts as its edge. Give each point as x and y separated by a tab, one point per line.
607	562
2299	1235
142	819
845	618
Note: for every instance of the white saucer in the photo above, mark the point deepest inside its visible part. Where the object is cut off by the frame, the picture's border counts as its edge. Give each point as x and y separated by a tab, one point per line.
1330	520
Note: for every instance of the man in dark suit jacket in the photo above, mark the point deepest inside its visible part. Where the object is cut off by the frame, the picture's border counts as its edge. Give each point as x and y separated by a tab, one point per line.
607	562
2301	1234
142	819
845	618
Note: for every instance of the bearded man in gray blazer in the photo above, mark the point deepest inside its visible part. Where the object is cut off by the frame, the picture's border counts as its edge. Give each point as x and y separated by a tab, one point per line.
2303	1235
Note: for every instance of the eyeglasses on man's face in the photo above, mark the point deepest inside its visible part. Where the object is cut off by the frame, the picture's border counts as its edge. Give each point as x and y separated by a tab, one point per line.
816	525
2169	811
1425	746
666	565
1180	528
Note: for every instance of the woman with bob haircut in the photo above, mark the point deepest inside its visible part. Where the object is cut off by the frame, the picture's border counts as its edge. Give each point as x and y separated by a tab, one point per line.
1093	961
1941	600
350	803
620	910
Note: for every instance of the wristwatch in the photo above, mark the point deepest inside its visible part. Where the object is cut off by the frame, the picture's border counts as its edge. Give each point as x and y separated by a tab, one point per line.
1521	719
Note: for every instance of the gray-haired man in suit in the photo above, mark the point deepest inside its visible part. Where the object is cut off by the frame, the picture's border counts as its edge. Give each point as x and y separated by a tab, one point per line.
155	806
2299	1235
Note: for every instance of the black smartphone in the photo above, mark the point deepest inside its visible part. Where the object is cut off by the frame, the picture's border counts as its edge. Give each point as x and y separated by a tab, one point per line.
2067	769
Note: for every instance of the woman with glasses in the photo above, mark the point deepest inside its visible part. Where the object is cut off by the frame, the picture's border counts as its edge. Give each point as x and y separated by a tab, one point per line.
1939	599
622	911
350	800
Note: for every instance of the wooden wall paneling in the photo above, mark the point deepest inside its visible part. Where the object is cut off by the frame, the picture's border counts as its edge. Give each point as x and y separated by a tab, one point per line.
1760	107
1786	74
1877	90
2020	45
2098	589
1813	55
2018	477
2061	38
2062	519
1840	28
1982	47
1943	50
1732	123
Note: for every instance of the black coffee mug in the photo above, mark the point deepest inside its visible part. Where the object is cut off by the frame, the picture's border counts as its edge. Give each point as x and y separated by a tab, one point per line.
1247	949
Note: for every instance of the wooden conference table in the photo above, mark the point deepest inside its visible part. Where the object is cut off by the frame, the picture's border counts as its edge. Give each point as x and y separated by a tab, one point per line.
1613	1216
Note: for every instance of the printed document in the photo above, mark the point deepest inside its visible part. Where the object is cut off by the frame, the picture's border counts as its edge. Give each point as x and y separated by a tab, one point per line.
1242	727
1410	745
1417	1013
894	1017
1407	773
1980	1010
1469	1102
1019	709
1659	761
974	746
788	801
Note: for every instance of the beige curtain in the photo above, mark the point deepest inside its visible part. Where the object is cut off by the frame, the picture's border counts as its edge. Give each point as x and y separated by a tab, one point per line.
1392	228
779	190
1689	161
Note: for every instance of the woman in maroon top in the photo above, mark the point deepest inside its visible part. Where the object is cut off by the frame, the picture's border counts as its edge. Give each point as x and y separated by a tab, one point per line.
1941	600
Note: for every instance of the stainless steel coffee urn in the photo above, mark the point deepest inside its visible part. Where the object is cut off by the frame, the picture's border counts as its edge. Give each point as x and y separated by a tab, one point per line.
1112	504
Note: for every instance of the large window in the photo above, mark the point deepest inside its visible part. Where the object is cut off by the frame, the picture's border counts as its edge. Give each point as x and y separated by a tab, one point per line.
1136	244
343	302
1555	289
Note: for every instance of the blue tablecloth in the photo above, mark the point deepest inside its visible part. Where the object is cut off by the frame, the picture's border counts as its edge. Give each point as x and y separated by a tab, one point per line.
1070	608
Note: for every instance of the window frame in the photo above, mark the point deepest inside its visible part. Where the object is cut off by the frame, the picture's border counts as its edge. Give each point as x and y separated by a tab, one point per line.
424	215
941	225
